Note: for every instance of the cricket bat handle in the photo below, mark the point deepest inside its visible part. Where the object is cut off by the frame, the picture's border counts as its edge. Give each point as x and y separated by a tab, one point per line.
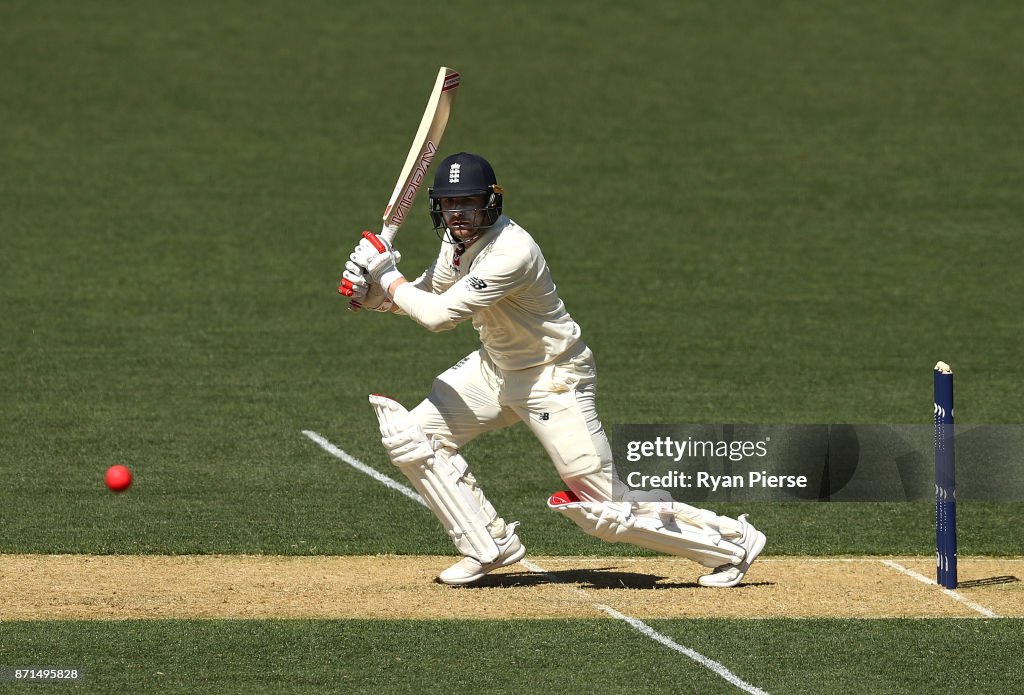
389	232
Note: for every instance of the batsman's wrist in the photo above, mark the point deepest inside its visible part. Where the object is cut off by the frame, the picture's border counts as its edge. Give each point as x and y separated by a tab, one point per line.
389	277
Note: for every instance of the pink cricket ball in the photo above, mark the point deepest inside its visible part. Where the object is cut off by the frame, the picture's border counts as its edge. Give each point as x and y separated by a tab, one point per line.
118	478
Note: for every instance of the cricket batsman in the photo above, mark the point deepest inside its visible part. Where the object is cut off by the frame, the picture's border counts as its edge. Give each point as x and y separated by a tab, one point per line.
533	367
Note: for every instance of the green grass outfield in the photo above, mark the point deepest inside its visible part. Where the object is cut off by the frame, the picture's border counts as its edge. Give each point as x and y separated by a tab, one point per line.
357	656
778	214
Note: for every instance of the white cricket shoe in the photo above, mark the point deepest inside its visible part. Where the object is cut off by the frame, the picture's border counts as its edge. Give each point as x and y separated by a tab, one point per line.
725	576
469	569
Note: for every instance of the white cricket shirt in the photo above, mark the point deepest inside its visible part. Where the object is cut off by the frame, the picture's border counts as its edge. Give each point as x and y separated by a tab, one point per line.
503	282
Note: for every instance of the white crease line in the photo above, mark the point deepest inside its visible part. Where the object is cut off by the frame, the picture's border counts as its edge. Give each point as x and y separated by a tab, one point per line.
363	468
948	592
653	634
636	624
704	661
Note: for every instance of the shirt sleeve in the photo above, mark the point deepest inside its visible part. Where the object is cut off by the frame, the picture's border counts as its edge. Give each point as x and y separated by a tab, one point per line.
438	277
493	277
425	281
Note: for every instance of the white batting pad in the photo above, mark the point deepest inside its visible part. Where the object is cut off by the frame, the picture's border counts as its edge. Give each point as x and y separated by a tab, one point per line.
672	515
615	522
443	479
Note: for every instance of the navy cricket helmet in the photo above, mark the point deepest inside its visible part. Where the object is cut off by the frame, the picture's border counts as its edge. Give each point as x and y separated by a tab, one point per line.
462	175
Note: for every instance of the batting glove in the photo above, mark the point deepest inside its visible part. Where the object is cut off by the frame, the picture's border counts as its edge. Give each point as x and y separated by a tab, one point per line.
354	282
379	258
376	300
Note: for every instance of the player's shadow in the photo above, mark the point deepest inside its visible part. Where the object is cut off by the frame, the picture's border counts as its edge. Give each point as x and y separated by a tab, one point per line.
590	578
988	581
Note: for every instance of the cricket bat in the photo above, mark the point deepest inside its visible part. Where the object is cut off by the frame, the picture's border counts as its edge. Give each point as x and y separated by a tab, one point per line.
424	146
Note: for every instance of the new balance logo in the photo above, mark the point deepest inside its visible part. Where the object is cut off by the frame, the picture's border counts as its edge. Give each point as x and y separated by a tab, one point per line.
453	173
476	283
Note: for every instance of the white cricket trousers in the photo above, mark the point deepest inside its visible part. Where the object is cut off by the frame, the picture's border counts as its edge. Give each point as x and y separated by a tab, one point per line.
557	401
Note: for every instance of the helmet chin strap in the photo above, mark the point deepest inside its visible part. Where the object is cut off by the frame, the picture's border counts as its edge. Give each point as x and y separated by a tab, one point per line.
464	243
450	237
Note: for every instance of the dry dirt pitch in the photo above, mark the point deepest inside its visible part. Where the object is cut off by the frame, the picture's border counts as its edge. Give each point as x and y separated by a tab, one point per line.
102	587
